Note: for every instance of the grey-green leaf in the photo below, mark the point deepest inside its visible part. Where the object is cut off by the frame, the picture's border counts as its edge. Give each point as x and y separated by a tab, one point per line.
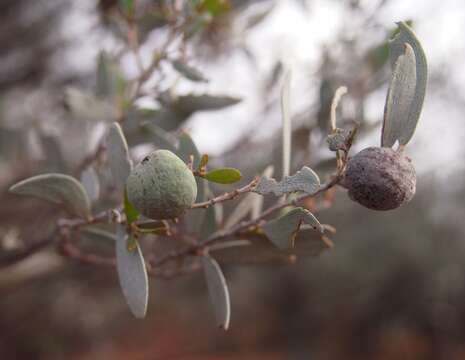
283	230
305	180
223	175
91	183
258	249
189	72
87	107
132	274
118	156
407	88
56	188
218	290
186	148
188	104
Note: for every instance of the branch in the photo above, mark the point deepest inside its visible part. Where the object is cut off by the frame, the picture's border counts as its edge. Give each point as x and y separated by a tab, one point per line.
227	196
244	225
13	257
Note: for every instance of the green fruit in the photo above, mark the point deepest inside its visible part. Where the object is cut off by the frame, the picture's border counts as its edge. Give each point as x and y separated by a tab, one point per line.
161	186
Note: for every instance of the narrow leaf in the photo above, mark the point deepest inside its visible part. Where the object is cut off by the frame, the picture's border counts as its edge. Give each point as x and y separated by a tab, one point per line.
188	104
209	225
188	71
224	175
118	156
258	249
132	274
56	188
131	212
97	235
151	133
287	124
110	80
87	107
186	148
218	290
305	180
283	230
407	87
91	183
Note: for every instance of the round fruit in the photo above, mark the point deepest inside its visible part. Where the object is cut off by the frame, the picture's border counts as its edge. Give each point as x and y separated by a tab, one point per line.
380	178
161	186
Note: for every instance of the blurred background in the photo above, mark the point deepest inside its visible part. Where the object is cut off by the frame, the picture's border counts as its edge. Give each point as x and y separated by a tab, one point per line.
393	285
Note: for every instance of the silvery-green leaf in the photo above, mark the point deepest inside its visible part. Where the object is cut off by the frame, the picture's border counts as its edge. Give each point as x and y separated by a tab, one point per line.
340	91
287	124
188	104
91	183
87	107
283	230
56	188
110	79
189	72
218	290
132	274
209	222
407	88
186	148
53	153
118	156
305	180
257	200
258	249
159	137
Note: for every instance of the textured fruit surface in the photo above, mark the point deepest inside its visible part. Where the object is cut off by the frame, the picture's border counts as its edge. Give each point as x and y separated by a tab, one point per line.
161	186
380	178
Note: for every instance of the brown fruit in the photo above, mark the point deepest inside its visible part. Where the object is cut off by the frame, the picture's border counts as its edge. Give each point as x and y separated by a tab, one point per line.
380	178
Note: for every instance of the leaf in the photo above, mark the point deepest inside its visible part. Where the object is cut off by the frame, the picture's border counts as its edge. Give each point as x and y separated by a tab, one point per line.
159	137
188	71
188	104
209	224
110	80
131	212
218	290
118	156
257	249
186	148
283	230
91	183
407	88
305	180
87	107
258	17
98	235
56	188
132	274
338	94
223	175
287	124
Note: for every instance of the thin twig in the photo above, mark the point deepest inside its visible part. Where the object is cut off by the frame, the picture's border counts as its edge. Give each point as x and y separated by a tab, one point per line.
227	196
